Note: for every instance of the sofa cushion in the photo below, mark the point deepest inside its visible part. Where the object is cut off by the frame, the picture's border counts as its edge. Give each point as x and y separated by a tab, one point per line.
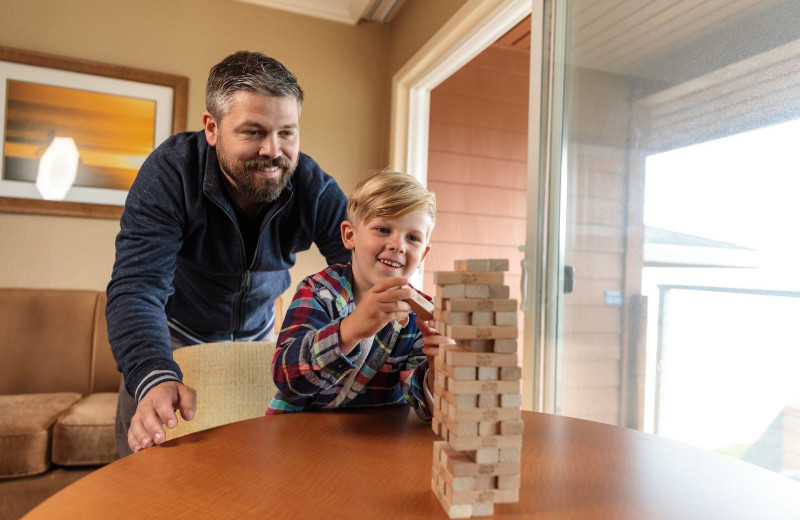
84	434
26	423
46	340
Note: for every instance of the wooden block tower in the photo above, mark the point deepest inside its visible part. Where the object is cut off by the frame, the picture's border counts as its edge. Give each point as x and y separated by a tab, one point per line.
477	390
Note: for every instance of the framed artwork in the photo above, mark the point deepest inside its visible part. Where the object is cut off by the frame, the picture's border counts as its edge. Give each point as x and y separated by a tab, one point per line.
74	133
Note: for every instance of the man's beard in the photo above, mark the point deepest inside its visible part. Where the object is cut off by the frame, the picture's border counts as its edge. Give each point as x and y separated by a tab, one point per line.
250	184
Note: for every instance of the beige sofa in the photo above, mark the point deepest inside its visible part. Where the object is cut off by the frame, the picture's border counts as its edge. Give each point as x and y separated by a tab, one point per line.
58	381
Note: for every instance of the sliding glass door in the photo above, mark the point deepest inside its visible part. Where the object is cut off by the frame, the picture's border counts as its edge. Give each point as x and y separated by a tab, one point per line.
669	292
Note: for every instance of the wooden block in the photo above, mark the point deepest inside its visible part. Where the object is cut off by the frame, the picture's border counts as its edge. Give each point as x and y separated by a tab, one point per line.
477	345
461	464
444	485
457	400
450	509
420	305
463	373
509	373
453	318
505	346
489	400
511	400
508	482
464	332
505	455
480	319
483	509
466	429
489	373
477	442
468	278
472	483
482	387
441	340
485	291
488	428
482	264
439	302
483	414
452	291
495	496
505	319
463	484
460	357
485	455
436	425
437	449
471	429
511	427
487	305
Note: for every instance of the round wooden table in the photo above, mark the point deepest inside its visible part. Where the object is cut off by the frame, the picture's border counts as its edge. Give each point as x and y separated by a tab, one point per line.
376	463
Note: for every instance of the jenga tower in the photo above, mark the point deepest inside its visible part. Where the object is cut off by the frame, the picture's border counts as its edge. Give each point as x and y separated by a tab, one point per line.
477	390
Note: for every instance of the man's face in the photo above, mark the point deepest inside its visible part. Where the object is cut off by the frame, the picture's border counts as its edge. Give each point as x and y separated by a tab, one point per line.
257	143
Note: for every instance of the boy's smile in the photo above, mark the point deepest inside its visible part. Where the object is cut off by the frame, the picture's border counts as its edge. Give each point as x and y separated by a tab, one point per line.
385	247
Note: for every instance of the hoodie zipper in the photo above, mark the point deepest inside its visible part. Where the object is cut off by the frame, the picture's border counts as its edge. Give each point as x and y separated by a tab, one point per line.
238	307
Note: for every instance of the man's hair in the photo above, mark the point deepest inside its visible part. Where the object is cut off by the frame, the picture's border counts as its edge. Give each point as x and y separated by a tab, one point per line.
246	71
388	194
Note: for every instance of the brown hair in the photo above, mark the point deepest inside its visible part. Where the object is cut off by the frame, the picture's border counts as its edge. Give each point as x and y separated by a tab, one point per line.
246	71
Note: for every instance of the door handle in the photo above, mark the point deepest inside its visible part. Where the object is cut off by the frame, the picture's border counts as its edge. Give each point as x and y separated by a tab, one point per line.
569	279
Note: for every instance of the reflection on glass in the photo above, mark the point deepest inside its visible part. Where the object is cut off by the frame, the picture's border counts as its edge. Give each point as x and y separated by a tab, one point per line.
680	126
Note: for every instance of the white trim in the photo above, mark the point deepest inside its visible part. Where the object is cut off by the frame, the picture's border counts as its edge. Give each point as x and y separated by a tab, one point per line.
475	26
334	10
343	11
533	357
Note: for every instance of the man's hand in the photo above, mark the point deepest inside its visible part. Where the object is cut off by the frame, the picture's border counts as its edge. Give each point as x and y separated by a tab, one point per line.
156	409
378	306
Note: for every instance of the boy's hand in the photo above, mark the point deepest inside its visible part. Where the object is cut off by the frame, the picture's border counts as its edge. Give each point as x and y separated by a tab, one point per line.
431	339
378	306
157	408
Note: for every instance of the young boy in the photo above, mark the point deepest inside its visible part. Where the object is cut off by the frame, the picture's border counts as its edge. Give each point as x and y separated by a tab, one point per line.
348	338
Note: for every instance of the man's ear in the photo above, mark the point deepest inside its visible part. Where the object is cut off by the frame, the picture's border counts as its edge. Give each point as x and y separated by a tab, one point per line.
211	128
348	235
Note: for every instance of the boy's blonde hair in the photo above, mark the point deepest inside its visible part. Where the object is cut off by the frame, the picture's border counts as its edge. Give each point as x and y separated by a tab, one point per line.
389	194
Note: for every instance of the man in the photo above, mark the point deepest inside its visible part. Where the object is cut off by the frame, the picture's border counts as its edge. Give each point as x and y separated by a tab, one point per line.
211	226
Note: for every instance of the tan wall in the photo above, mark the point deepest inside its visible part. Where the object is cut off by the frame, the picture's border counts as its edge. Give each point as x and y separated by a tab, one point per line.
477	162
341	68
414	25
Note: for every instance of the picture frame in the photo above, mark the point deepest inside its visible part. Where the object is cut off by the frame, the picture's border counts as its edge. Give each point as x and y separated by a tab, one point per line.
110	117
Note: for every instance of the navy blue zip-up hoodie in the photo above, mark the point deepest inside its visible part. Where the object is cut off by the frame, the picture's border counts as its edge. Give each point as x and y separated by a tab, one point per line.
181	264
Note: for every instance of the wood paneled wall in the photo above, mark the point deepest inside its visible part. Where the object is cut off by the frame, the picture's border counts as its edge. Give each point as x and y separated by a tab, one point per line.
477	166
591	362
477	163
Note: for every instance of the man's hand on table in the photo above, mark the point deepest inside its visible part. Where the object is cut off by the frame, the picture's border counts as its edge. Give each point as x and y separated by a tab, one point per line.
157	408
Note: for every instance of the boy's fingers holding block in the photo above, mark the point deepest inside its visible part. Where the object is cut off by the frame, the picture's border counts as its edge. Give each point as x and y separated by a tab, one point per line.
420	305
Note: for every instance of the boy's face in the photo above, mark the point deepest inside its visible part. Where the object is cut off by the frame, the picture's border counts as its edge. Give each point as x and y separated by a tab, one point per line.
386	247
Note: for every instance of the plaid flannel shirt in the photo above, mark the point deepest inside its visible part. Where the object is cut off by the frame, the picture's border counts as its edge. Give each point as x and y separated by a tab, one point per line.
308	366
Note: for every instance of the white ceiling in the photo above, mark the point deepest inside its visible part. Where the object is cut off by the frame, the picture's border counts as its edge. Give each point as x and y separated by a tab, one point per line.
343	11
612	35
623	34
